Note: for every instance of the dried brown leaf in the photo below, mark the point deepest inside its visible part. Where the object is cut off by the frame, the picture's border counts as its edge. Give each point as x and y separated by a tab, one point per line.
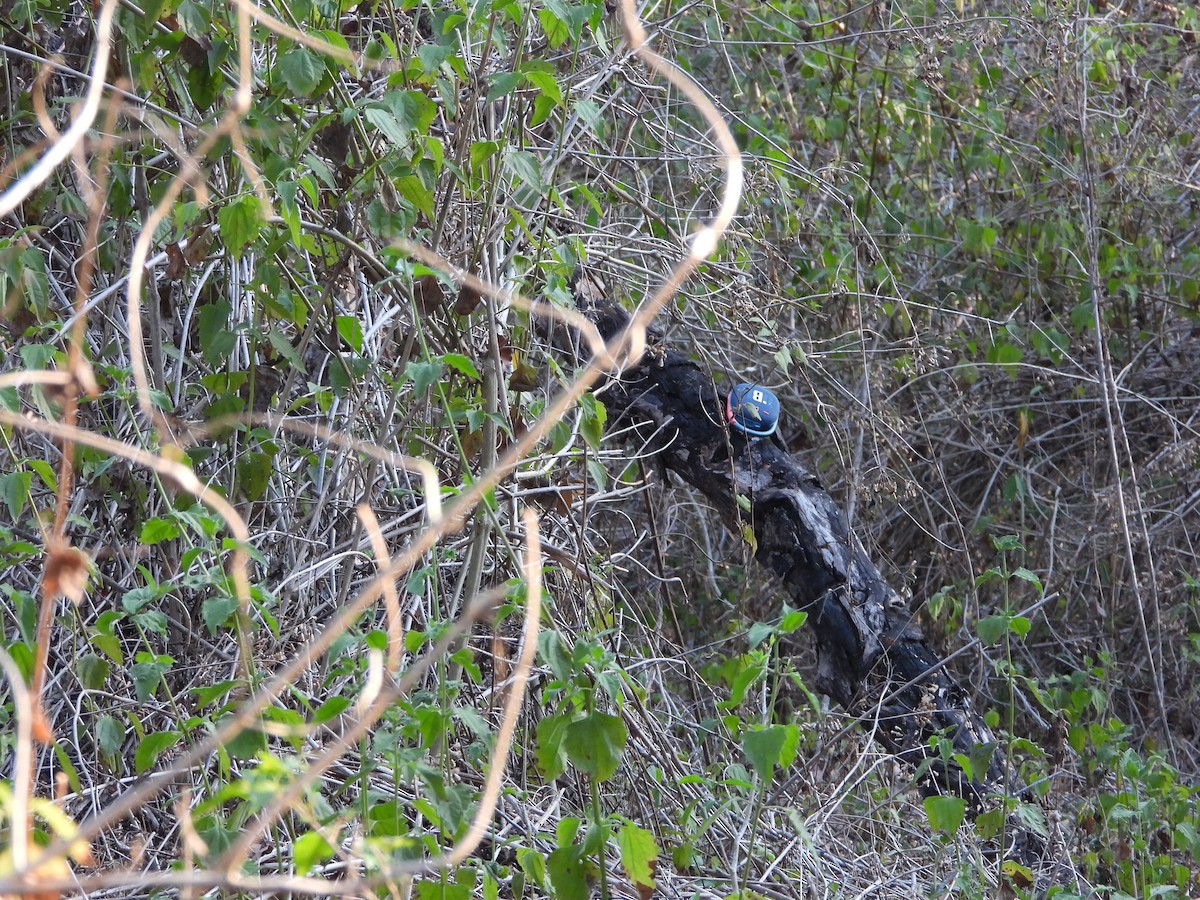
66	575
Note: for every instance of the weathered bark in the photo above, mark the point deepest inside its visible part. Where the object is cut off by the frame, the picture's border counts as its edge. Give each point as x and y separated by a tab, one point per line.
873	660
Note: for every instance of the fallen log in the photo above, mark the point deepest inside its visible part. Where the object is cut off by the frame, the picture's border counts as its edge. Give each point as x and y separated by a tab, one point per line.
872	658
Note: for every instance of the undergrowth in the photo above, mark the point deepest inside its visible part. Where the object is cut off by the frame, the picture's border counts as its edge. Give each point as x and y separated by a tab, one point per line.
266	579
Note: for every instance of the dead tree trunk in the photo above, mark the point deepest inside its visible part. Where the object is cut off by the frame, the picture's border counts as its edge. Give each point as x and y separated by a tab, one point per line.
873	659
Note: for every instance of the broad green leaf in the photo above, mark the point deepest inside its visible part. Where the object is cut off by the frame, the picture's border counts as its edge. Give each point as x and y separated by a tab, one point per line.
555	28
568	873
240	221
216	341
309	849
572	15
1032	818
1006	543
501	85
423	375
595	743
147	675
1025	575
945	814
1019	625
545	82
93	670
285	349
551	652
416	192
110	735
387	124
481	152
591	426
14	487
151	747
436	889
216	611
151	620
350	331
639	854
462	364
764	747
432	56
533	864
301	70
157	530
551	754
992	628
792	620
759	632
45	472
527	168
330	709
136	599
783	359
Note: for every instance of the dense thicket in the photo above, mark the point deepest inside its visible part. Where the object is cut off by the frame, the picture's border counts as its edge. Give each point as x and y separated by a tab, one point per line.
966	259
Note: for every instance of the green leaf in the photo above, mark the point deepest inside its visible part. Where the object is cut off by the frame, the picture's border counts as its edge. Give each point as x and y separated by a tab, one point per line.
388	125
533	864
1025	575
574	15
1005	354
545	82
254	471
156	530
93	670
309	849
246	744
147	675
14	487
792	620
436	889
555	28
1020	625
568	873
1032	818
591	426
216	611
527	168
432	56
639	853
992	628
45	472
945	814
151	747
783	359
350	331
301	70
481	152
240	222
551	652
423	375
330	709
502	84
595	743
216	341
764	748
462	364
110	736
759	632
1006	543
551	754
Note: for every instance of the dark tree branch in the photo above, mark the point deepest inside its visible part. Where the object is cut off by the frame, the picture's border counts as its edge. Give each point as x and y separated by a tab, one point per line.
873	660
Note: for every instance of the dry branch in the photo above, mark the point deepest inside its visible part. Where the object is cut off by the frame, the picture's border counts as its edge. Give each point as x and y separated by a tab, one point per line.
873	659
